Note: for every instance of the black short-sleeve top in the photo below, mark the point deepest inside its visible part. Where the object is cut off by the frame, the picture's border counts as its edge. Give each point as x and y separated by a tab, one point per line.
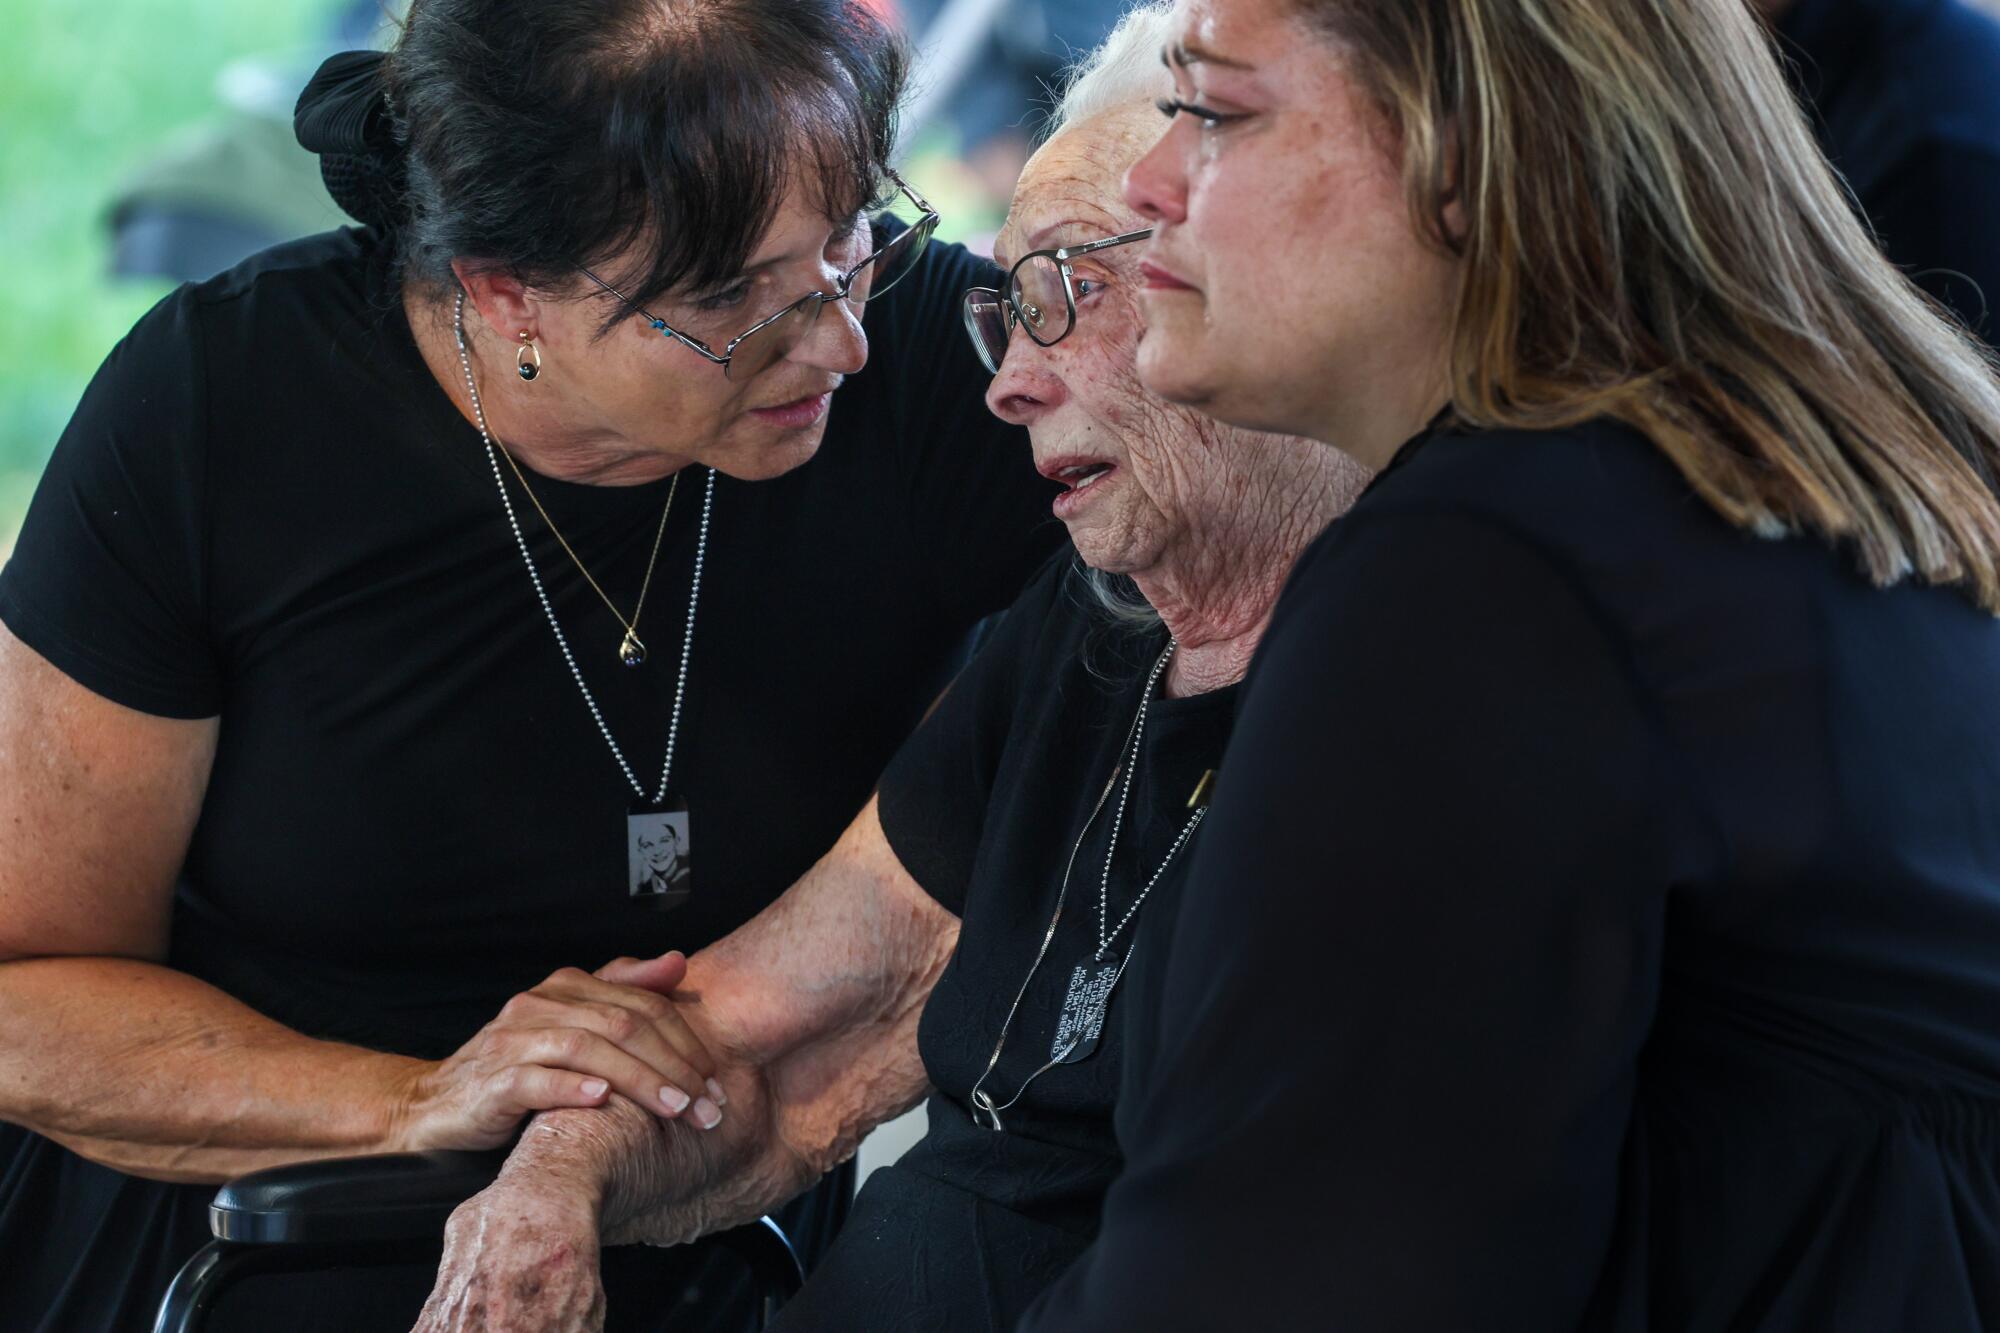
993	803
266	508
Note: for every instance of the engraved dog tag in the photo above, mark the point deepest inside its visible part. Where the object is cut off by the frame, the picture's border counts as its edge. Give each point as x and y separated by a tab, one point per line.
1082	1021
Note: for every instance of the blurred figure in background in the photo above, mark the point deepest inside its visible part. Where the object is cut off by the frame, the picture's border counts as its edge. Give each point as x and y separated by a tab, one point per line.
996	108
1904	97
236	182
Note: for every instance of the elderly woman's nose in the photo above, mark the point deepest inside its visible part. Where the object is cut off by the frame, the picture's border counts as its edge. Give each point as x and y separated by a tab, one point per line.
1156	185
1026	387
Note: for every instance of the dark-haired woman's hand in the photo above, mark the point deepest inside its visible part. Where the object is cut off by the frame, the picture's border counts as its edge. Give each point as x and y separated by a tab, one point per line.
571	1041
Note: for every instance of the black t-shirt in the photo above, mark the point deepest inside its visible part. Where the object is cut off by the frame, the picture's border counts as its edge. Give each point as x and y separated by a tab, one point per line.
1905	97
266	507
1598	928
984	807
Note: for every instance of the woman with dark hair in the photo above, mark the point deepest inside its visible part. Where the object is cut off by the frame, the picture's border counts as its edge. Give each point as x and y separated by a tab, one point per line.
359	617
1598	921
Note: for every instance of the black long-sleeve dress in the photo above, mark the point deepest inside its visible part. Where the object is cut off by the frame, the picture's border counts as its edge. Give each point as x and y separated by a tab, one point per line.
1597	926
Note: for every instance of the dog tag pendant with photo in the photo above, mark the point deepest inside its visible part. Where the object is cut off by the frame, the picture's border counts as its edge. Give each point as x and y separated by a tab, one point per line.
657	869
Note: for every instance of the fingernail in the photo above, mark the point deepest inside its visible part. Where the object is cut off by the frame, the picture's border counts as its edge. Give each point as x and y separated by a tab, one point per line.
706	1113
594	1087
716	1094
676	1101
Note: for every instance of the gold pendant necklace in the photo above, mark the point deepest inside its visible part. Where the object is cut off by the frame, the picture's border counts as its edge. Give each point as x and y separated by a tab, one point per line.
631	648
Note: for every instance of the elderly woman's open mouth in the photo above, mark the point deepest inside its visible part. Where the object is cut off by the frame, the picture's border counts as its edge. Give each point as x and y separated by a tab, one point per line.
1079	474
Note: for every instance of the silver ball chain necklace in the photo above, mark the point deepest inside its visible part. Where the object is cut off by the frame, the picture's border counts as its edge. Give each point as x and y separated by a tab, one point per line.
1091	983
649	822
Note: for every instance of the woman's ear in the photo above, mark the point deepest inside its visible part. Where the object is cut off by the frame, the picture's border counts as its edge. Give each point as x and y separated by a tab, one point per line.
503	302
1451	199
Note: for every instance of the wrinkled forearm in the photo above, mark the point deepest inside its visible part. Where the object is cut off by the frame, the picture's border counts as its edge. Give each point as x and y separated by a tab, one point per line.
686	1183
665	1182
812	1110
661	1182
811	1009
855	945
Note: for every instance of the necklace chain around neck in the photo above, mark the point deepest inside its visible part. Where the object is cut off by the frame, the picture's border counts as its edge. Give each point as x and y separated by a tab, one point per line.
1107	934
982	1101
548	608
631	642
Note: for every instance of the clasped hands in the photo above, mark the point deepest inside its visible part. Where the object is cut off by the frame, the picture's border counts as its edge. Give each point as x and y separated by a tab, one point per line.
523	1253
574	1040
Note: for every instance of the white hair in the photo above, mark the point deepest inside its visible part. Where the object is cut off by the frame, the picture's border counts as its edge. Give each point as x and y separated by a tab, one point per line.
1122	72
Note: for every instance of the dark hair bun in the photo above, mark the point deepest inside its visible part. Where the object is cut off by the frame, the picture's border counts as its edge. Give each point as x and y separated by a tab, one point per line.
343	116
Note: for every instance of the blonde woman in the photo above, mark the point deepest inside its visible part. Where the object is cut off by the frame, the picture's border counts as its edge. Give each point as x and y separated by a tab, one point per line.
1598	921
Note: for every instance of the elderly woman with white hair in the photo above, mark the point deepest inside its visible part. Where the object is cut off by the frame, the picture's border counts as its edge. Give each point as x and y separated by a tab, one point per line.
972	931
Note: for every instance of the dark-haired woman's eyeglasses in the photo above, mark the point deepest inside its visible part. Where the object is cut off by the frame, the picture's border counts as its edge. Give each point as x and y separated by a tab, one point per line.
1041	298
770	338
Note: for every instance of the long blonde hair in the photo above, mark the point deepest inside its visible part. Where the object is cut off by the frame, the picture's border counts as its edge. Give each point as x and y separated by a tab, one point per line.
1650	232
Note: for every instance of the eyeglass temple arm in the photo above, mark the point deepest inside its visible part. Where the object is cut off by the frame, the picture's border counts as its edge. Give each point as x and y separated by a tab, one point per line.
994	301
658	323
1071	251
922	203
702	347
846	282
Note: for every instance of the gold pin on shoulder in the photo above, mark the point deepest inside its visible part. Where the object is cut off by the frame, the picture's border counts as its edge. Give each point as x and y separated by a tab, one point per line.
1203	790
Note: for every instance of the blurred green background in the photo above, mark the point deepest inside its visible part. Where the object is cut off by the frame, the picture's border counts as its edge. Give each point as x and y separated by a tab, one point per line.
103	96
89	93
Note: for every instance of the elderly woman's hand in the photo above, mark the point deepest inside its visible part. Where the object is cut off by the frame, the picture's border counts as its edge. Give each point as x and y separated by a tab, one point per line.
573	1040
519	1257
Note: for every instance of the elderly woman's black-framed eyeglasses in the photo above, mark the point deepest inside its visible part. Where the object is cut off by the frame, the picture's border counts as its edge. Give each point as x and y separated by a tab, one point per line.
773	336
1041	297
